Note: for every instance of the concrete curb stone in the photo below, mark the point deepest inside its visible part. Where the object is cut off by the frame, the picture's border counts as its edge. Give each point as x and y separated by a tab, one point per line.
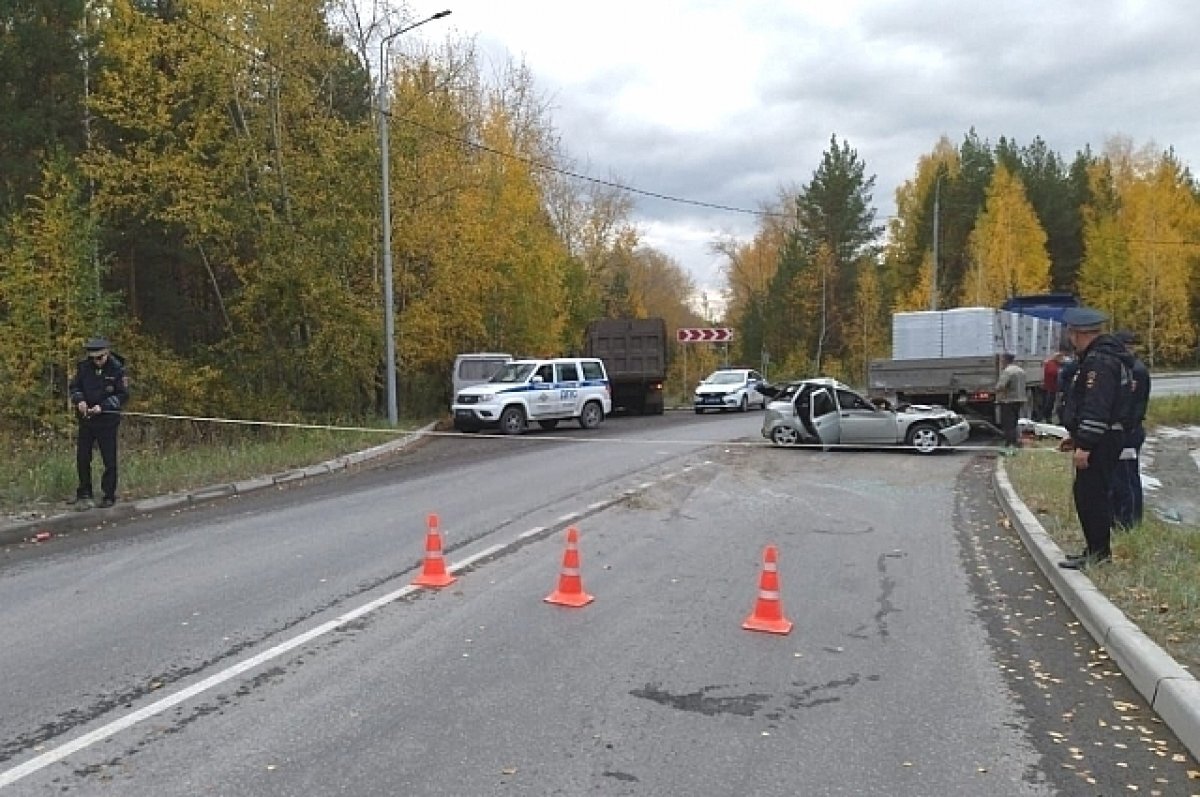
70	520
1171	690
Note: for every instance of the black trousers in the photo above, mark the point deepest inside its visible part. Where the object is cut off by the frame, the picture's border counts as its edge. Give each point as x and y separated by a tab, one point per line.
104	436
1092	491
1010	413
1127	496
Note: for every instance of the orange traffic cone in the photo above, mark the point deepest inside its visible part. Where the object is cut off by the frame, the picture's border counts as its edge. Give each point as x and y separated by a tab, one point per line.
570	583
768	610
433	573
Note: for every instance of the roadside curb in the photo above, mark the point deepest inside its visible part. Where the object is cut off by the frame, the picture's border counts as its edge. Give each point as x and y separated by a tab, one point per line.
1172	691
70	520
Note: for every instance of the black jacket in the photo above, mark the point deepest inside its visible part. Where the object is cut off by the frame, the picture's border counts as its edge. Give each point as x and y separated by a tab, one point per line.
1141	391
1092	402
106	386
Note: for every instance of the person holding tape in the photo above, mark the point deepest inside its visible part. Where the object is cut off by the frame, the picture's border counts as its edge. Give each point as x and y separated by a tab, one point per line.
98	391
1092	414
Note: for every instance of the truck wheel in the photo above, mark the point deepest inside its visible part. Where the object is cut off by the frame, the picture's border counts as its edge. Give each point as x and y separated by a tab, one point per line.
924	438
512	420
591	416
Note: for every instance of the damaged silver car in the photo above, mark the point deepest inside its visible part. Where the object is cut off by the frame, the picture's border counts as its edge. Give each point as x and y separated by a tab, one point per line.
826	412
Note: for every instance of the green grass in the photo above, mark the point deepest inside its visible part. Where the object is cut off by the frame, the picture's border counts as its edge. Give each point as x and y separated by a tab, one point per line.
1174	411
39	473
1155	575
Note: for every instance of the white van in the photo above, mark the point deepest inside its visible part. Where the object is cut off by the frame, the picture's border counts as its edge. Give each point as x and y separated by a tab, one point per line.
545	391
476	367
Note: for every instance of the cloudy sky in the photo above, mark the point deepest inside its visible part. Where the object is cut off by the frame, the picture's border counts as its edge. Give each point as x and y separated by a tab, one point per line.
728	101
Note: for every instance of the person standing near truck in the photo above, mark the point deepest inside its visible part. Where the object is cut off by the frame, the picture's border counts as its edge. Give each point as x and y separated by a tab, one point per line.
1050	369
1127	497
1092	414
1010	395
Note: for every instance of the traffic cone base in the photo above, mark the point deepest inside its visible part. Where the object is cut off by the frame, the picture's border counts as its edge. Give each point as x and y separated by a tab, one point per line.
566	599
570	583
434	580
433	571
768	609
754	623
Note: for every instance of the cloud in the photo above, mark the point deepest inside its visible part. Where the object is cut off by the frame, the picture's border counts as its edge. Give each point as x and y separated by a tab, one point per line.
725	102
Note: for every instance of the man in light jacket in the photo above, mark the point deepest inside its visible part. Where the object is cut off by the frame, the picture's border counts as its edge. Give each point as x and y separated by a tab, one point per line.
1010	395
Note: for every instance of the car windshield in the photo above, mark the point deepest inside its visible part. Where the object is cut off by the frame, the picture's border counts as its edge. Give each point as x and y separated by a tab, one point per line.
478	369
725	378
513	373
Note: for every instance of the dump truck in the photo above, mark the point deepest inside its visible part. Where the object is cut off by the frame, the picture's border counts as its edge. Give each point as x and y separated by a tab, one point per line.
634	351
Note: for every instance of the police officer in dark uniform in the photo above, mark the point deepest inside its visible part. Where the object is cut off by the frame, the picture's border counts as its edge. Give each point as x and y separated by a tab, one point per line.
98	391
1127	496
1090	415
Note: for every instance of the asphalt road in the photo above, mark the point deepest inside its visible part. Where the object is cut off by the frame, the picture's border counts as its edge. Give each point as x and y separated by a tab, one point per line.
1177	384
271	645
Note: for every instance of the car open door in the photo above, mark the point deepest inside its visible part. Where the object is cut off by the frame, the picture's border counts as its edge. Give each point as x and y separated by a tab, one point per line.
825	420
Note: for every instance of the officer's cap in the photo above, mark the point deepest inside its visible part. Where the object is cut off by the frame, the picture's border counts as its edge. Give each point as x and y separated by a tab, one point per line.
99	343
1084	319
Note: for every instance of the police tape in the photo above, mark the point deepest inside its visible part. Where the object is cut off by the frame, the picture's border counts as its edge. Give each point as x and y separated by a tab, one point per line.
391	431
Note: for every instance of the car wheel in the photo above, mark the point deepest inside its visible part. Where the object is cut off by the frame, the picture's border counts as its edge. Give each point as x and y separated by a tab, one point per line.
743	405
699	411
549	425
591	416
512	420
785	435
924	438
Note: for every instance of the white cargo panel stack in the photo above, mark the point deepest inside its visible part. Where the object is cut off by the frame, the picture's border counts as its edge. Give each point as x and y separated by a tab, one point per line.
917	335
972	332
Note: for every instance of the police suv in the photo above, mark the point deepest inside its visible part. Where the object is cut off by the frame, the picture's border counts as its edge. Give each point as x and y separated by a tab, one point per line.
545	391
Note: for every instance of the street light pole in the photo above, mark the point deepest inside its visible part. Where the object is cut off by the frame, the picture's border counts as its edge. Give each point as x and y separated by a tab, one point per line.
389	321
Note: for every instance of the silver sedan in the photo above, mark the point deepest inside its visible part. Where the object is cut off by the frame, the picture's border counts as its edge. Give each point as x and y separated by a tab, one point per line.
826	412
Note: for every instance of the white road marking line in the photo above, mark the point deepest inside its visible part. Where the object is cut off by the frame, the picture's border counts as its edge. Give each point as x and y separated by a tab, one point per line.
524	535
568	517
597	505
475	557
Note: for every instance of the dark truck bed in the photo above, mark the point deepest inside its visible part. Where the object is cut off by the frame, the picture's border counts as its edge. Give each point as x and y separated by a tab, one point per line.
634	351
965	384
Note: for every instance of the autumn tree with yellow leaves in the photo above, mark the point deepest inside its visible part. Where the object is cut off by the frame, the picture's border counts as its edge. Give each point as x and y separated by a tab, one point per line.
1008	246
1143	247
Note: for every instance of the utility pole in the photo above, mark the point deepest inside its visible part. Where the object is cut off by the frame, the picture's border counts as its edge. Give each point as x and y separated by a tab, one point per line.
389	322
937	215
